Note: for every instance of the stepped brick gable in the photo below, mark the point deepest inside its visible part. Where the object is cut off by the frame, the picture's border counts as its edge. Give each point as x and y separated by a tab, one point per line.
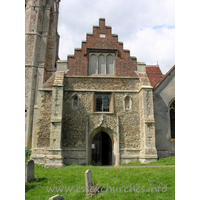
102	40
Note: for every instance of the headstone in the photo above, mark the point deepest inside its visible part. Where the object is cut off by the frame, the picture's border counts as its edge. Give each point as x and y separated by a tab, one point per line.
88	180
29	171
57	197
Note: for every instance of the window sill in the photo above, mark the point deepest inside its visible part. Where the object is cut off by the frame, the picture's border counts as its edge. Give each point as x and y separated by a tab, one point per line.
102	75
107	113
172	140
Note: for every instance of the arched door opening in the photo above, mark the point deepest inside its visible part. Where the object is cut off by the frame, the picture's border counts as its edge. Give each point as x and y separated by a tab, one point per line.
101	149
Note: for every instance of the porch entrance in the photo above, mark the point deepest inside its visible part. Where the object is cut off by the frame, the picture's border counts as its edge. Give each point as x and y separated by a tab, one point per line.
101	149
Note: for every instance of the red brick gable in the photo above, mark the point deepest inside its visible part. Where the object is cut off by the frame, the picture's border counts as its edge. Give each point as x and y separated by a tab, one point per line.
78	64
154	74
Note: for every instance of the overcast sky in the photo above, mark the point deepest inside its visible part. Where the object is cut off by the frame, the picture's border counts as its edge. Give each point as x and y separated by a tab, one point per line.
146	27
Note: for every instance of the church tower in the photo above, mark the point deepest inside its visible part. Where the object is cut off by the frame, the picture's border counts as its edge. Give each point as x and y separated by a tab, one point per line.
41	54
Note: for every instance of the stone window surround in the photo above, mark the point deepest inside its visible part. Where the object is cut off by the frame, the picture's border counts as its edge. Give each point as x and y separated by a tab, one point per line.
105	54
72	101
124	102
103	105
111	109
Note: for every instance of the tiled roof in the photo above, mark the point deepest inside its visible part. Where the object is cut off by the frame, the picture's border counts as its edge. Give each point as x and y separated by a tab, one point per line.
154	73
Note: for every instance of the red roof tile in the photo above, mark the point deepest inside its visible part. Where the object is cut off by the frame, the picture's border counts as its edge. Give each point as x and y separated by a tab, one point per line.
154	73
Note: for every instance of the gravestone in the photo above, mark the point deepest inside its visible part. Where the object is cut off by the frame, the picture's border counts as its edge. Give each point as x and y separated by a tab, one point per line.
57	197
88	180
29	171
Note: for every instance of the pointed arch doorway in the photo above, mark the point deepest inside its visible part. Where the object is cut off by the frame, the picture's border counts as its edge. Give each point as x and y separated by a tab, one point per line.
101	149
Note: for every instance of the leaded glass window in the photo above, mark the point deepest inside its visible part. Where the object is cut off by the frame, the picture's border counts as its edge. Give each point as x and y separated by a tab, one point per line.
102	102
98	103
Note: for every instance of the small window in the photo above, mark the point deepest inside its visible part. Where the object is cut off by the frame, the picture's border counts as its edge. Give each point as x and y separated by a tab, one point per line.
101	35
172	119
102	102
75	101
127	103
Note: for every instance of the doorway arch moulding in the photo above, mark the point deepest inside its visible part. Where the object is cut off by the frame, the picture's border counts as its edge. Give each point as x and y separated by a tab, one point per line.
113	134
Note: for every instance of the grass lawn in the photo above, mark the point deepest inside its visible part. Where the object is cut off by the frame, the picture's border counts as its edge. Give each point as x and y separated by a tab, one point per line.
161	161
122	179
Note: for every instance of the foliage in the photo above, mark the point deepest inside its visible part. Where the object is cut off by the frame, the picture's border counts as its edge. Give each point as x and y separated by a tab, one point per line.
27	153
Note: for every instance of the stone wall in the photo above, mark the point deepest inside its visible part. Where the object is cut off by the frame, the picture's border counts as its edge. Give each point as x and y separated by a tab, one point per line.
41	52
44	119
164	93
33	13
129	121
30	81
102	83
75	119
134	125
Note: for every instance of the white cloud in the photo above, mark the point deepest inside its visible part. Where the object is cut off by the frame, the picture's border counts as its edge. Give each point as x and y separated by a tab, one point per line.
145	27
151	45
